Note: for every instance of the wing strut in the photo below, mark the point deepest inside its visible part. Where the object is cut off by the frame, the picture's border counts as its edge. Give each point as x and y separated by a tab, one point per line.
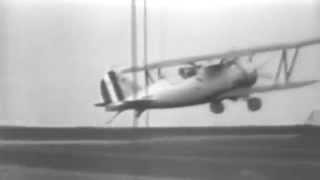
293	62
285	66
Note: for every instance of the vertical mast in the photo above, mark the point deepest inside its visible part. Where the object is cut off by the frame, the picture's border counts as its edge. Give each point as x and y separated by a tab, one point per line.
145	52
145	42
134	62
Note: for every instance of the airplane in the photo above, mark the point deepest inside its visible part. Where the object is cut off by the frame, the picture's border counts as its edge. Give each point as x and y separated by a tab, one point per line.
233	76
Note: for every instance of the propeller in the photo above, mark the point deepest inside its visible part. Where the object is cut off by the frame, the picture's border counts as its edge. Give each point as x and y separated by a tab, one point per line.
262	74
265	75
257	66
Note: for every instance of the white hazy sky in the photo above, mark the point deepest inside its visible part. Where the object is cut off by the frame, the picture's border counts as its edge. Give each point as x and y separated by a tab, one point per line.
54	52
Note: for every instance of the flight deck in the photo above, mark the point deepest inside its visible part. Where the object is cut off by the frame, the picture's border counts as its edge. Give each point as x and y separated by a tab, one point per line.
286	152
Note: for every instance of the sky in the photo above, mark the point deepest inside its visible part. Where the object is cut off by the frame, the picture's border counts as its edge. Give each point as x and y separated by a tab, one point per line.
54	53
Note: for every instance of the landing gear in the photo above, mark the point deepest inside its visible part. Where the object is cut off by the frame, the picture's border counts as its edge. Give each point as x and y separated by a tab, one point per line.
217	107
137	114
254	104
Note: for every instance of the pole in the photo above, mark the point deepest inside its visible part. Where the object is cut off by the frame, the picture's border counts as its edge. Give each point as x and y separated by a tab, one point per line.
145	52
134	49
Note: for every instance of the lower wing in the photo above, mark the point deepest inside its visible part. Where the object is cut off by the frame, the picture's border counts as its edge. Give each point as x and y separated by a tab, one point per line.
242	92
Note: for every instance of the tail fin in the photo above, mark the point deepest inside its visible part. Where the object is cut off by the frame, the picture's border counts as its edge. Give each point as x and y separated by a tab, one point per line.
110	88
104	93
115	88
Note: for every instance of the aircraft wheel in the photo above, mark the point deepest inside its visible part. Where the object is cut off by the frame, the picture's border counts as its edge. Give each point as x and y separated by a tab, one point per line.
254	104
217	107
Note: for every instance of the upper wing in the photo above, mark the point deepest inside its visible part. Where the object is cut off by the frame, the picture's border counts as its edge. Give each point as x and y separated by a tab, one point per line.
228	54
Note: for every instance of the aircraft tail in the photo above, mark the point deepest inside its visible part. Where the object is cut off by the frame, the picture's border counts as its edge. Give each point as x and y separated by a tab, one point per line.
115	88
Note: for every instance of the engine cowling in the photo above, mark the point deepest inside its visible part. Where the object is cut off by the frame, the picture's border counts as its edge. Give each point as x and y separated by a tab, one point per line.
217	107
247	80
186	72
254	104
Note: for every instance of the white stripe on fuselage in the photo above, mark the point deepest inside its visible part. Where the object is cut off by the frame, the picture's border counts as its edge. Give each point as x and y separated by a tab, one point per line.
110	88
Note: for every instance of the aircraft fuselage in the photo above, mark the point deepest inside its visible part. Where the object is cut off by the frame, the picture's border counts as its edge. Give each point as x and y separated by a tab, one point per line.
204	87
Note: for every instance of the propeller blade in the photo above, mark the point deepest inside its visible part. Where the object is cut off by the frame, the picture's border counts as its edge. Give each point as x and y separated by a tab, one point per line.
265	75
261	64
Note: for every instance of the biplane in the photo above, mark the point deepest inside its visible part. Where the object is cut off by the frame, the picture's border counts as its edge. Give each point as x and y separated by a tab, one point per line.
228	75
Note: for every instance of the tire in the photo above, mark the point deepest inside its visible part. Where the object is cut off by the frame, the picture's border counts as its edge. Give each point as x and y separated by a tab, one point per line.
217	107
254	104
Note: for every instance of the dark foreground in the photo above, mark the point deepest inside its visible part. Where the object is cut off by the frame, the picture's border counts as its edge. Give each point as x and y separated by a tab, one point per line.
247	153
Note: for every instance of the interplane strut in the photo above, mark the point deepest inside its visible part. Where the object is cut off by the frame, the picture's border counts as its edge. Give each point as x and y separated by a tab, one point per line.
285	66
